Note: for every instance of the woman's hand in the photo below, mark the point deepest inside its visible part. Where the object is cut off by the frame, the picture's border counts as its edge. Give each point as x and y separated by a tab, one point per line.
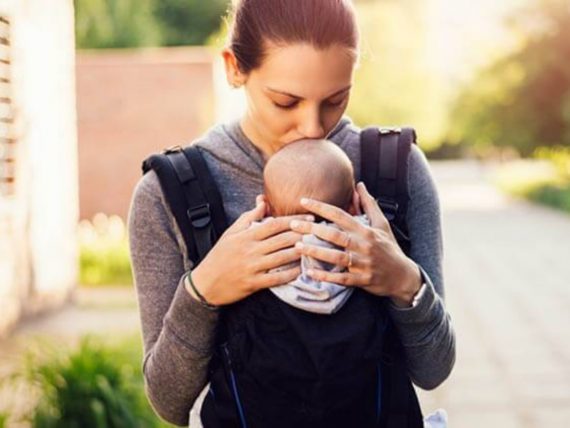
372	256
237	265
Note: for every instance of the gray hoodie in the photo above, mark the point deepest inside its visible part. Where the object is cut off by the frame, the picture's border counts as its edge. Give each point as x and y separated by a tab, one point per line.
178	332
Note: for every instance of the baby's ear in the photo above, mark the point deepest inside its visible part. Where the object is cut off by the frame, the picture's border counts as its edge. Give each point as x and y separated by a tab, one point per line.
263	198
268	209
354	208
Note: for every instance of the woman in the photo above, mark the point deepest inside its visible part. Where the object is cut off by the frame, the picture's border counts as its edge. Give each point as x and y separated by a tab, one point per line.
295	60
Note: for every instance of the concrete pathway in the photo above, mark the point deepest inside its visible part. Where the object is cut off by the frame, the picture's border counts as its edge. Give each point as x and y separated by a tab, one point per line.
507	270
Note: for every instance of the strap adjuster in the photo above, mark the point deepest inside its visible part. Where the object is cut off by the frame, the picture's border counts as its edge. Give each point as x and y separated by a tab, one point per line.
390	130
172	149
200	216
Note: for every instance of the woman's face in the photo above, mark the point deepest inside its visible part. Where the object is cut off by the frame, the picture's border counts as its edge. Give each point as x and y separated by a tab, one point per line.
298	92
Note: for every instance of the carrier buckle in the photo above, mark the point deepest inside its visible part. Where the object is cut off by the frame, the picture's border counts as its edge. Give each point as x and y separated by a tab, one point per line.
200	216
389	208
390	130
172	149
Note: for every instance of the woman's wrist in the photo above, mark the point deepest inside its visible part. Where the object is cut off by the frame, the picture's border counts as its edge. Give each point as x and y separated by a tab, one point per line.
411	284
198	288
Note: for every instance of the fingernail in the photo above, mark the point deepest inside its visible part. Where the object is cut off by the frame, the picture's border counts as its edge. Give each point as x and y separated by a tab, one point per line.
310	218
299	245
304	201
294	224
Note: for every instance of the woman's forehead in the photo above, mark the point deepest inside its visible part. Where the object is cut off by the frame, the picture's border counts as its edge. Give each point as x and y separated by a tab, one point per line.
305	71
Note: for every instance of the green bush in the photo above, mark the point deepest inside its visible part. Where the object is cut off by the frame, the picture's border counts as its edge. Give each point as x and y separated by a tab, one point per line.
545	179
558	156
554	196
95	386
104	252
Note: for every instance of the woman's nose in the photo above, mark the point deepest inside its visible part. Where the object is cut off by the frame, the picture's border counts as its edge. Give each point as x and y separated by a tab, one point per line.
311	125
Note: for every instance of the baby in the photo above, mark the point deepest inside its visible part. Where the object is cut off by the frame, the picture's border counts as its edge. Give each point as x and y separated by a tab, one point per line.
317	169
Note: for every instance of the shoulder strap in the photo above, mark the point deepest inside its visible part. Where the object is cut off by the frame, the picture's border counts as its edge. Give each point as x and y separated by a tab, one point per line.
384	170
192	196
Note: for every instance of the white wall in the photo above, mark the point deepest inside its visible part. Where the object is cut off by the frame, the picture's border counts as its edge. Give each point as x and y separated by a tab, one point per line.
39	246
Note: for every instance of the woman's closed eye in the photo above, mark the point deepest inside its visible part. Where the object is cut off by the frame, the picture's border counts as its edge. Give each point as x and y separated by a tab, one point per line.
289	106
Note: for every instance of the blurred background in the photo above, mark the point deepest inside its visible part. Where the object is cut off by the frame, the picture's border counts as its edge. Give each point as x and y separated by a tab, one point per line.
89	88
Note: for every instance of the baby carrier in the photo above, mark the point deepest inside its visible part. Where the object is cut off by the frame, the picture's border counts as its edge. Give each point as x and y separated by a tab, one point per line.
276	366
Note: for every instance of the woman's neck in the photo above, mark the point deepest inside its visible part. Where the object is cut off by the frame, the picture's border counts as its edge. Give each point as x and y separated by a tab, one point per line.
253	136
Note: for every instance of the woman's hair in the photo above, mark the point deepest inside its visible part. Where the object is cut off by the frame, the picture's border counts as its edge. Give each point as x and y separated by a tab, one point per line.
320	23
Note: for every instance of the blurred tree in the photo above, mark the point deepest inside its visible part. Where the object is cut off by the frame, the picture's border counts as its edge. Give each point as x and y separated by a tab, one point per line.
394	84
188	22
115	24
137	23
523	100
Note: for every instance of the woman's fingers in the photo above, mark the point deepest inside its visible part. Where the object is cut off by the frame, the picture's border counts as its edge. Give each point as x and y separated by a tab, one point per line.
275	225
271	279
342	278
259	213
331	234
244	221
329	255
332	214
371	208
280	241
277	259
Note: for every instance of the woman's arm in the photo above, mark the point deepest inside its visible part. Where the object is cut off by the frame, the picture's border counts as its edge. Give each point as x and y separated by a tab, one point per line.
178	332
426	330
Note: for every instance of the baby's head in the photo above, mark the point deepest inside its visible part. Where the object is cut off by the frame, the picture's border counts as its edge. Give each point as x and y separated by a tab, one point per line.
316	169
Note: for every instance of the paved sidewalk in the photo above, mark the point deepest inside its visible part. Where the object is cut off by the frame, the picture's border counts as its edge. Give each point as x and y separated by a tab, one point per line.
507	271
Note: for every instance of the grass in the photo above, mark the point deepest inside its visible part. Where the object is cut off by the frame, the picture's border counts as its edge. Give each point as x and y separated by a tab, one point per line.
544	179
104	252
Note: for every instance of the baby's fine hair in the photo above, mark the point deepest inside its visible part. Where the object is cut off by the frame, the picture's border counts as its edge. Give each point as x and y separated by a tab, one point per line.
316	169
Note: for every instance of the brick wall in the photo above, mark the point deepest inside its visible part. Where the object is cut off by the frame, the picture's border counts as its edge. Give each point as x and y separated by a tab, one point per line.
131	104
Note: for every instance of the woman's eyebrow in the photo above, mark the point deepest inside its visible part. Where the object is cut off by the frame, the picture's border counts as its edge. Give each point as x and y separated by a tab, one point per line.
300	98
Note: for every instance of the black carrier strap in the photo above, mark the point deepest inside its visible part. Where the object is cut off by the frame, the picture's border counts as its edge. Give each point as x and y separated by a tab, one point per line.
193	197
384	166
384	153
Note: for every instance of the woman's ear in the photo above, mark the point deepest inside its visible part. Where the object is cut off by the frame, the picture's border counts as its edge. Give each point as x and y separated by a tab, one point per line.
234	76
